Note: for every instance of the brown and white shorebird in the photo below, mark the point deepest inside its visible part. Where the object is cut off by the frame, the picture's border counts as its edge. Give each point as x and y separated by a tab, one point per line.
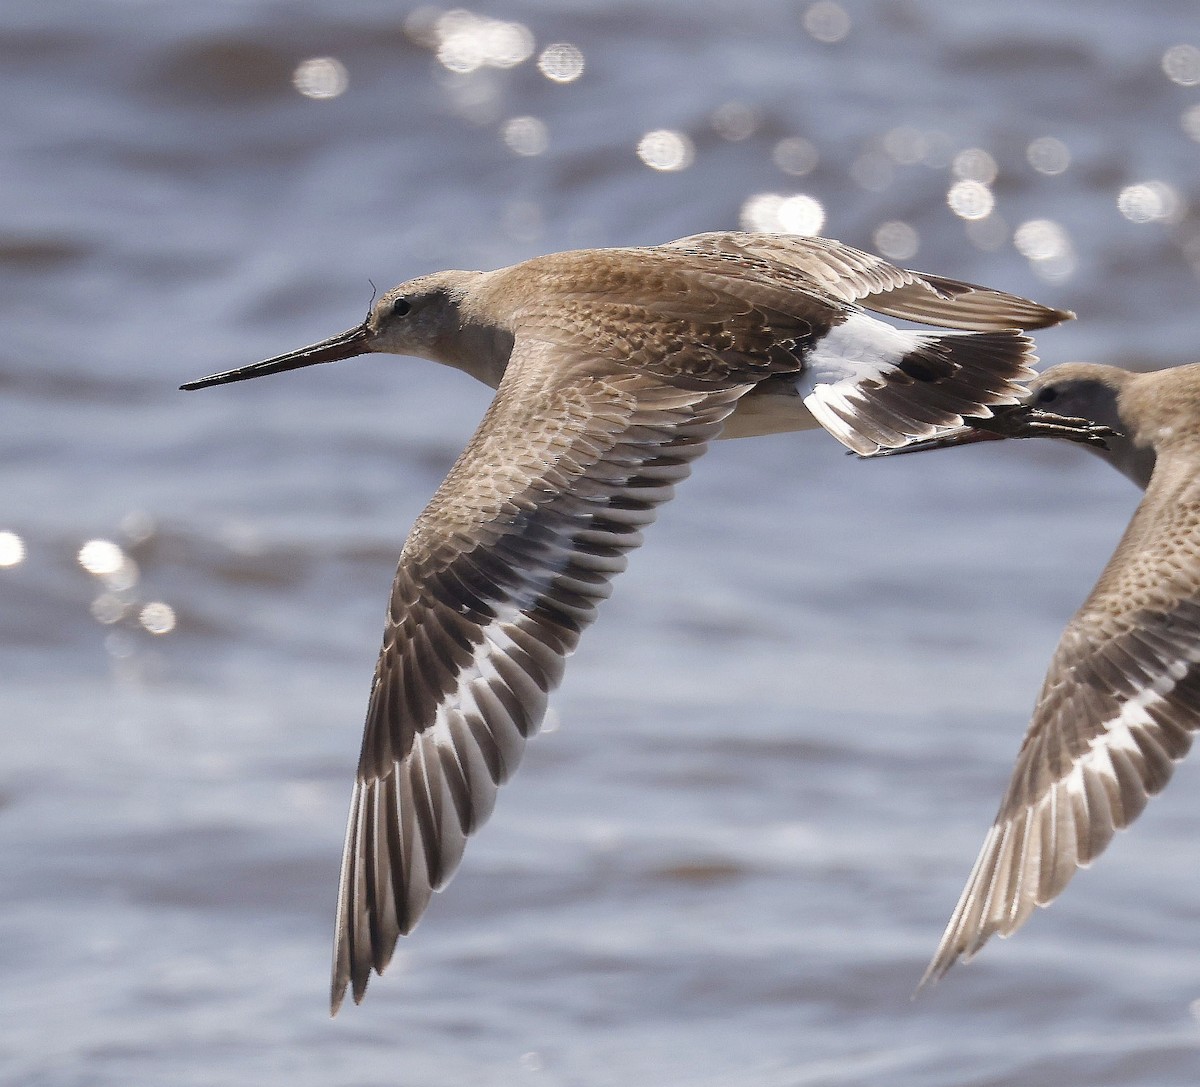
613	369
1121	699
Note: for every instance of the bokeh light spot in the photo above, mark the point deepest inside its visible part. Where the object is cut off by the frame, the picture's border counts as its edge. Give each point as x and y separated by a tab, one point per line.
1047	247
157	617
897	240
508	44
525	135
1181	63
321	77
1190	121
1150	202
667	150
1048	155
827	21
561	62
1040	239
119	645
465	42
970	200
108	608
796	156
101	557
12	549
775	213
974	164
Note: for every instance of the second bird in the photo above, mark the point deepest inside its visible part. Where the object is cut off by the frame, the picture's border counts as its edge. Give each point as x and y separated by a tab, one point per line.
1121	699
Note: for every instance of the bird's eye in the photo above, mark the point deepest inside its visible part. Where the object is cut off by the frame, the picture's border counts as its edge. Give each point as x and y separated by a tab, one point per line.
1048	395
401	307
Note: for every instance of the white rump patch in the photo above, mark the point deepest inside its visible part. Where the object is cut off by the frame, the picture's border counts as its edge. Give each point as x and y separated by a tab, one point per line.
858	349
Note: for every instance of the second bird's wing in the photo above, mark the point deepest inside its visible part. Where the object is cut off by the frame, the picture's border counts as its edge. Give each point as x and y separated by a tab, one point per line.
1118	708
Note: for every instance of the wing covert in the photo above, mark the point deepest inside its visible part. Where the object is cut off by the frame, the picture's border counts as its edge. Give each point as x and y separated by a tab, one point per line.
852	276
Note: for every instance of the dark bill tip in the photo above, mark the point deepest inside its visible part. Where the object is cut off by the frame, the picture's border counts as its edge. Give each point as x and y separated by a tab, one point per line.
343	346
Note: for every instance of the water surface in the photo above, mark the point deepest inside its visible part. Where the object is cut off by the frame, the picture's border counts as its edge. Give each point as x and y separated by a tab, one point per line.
772	760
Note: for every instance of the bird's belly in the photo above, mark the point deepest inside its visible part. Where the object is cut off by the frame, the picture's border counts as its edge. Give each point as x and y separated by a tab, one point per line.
772	408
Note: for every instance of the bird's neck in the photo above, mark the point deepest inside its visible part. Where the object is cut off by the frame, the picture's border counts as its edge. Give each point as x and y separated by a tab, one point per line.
481	350
1131	458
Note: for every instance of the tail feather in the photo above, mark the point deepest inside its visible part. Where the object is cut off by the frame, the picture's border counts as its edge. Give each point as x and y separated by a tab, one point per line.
878	387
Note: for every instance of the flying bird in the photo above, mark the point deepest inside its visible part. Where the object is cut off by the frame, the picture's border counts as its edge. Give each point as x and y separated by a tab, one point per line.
1121	699
613	369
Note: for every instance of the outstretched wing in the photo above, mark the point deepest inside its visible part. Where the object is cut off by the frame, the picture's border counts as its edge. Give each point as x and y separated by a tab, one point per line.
500	575
850	275
1117	710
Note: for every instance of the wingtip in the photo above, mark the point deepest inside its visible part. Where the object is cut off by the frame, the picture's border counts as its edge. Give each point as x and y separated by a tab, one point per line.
934	972
337	993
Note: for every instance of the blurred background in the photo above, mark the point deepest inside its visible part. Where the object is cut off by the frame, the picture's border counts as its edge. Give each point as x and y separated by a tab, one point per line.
773	759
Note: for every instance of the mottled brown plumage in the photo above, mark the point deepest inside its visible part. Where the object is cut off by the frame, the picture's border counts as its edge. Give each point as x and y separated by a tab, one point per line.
1121	699
613	369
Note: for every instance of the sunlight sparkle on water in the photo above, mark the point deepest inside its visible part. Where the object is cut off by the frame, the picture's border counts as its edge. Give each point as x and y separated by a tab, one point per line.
1047	247
561	62
105	560
465	42
108	608
974	164
970	200
1150	202
1181	63
827	21
667	150
101	557
12	549
525	135
1190	121
796	156
320	77
897	240
157	617
775	213
1048	155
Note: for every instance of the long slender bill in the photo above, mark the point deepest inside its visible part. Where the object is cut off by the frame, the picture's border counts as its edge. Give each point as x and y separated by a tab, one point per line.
345	345
1015	421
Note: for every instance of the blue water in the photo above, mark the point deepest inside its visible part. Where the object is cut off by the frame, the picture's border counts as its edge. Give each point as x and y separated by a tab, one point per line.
773	759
